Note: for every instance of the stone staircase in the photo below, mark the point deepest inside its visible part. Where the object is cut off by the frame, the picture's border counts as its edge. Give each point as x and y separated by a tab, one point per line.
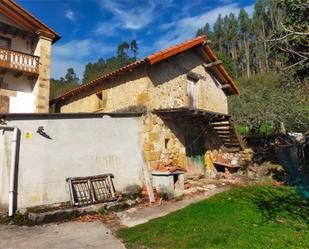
230	138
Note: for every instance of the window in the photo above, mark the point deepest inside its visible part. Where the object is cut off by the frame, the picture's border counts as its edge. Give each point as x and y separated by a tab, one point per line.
5	42
99	100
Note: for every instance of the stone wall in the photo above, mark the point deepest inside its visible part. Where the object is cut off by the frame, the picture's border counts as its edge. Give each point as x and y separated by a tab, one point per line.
163	85
125	93
163	142
41	89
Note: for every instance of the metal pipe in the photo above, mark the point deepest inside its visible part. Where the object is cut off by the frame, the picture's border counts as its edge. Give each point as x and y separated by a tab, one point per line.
13	176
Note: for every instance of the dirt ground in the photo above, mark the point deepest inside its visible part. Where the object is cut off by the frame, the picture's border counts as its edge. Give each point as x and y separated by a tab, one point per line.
68	235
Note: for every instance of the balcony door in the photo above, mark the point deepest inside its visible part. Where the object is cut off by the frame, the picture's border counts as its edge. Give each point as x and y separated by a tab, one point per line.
192	92
5	42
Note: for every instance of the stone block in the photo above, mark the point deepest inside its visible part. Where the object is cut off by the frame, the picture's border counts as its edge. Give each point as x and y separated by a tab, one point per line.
148	146
186	100
147	127
152	155
143	98
152	165
153	136
148	156
156	155
157	128
175	161
182	161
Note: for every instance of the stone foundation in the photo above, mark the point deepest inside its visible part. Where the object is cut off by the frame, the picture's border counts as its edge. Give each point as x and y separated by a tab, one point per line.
161	143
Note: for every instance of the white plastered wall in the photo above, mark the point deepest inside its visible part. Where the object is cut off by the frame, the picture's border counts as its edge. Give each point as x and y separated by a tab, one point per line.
77	147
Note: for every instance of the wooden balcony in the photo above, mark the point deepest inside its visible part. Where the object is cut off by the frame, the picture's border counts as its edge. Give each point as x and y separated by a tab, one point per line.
19	62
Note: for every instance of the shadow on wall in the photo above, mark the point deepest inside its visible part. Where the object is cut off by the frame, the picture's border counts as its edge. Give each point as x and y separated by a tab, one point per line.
196	137
173	67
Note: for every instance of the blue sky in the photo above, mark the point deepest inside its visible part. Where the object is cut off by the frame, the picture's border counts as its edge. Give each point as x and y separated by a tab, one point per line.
92	29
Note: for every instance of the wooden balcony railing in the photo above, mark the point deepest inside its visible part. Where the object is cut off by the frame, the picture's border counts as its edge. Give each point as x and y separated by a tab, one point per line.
19	61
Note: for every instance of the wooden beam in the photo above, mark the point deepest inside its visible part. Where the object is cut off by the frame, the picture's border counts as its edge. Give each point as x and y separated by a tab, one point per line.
225	86
212	64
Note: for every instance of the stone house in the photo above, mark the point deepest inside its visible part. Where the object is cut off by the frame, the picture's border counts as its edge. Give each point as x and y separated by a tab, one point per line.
25	58
183	93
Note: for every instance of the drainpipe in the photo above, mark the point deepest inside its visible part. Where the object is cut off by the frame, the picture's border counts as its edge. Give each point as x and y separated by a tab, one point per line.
13	176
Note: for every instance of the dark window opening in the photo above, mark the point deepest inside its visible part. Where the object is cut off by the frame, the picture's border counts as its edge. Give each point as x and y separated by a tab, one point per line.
100	100
5	42
166	142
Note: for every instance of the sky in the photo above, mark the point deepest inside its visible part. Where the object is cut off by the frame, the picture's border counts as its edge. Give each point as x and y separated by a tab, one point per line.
92	29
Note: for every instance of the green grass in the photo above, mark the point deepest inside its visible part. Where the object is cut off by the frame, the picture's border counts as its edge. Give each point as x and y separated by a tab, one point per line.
249	218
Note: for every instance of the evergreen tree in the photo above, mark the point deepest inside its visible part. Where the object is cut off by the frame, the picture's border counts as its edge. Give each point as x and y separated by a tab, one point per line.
122	49
219	34
134	48
244	32
259	23
232	37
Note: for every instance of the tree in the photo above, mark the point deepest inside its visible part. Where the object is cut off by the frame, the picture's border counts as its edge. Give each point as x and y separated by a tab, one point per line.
244	31
219	33
134	48
94	70
64	84
291	37
264	100
259	23
71	76
232	37
122	49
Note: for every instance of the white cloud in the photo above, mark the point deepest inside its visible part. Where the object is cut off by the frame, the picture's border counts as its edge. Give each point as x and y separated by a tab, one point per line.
183	29
107	28
69	14
76	54
130	15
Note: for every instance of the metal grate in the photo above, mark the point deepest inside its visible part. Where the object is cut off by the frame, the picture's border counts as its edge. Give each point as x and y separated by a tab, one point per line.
91	189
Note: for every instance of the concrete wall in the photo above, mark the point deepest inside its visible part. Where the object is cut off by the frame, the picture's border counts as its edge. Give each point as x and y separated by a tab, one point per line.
79	146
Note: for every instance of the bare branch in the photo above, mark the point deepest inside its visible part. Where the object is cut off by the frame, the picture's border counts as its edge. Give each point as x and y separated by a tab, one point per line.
292	31
277	39
295	64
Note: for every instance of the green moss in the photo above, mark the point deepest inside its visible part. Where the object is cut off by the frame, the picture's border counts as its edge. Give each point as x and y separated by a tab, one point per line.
17	219
251	217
